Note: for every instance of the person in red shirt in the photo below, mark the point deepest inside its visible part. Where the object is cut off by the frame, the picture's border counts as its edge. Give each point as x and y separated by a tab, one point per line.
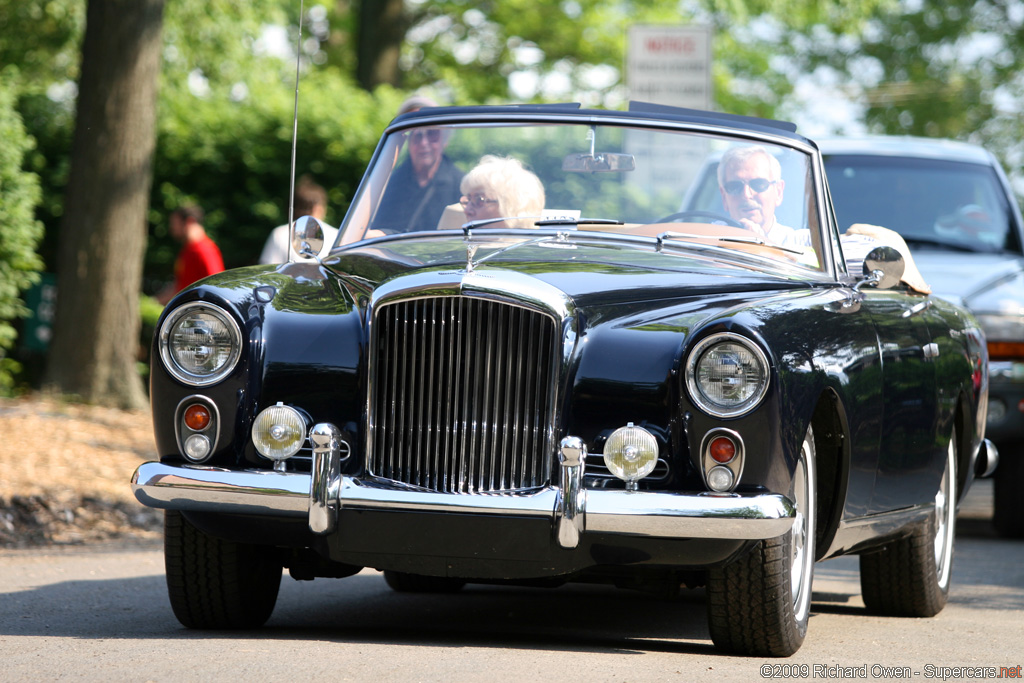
199	255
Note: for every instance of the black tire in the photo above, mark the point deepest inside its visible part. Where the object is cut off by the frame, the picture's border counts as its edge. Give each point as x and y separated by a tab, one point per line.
910	577
217	584
416	583
1007	515
760	604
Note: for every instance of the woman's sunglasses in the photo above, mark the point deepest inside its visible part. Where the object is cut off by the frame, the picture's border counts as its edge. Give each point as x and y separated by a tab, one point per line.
477	201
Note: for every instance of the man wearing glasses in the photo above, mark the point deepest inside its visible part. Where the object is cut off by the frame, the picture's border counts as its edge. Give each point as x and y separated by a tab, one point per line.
422	185
751	184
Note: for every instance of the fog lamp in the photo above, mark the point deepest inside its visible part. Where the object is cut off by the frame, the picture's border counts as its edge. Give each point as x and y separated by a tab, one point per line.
720	479
279	432
197	447
630	453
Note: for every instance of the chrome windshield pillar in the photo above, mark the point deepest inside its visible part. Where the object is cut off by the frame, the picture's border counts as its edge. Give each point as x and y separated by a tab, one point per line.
329	449
570	512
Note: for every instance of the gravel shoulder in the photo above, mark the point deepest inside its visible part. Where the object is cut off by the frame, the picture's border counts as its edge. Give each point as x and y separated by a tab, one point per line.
65	470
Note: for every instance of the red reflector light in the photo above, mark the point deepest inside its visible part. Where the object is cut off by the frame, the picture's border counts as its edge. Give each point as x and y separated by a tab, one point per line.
722	449
1002	350
197	417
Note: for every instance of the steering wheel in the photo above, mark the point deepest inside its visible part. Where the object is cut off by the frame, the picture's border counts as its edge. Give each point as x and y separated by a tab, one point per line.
712	215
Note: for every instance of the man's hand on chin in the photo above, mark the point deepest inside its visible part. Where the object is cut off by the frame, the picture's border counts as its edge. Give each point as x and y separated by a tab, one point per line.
753	227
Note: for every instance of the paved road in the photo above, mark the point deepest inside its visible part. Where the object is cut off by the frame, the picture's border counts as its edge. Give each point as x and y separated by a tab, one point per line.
101	613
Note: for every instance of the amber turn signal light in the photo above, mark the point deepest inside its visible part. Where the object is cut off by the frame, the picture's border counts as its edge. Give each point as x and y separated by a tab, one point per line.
722	449
197	417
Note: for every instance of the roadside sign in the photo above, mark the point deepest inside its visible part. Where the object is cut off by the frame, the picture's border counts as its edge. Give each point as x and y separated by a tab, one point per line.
669	65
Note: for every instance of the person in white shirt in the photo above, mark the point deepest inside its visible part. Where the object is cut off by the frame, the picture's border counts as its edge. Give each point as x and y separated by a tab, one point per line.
310	200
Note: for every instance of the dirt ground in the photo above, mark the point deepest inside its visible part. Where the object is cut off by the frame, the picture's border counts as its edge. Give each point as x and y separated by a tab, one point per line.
65	472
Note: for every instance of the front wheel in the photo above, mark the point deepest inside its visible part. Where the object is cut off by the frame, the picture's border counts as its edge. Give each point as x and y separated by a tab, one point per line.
759	605
218	584
910	577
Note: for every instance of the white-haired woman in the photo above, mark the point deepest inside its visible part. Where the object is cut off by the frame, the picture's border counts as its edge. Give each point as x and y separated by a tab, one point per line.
501	187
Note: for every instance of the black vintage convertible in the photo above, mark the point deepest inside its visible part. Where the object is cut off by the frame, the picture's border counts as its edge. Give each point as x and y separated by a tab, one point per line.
521	362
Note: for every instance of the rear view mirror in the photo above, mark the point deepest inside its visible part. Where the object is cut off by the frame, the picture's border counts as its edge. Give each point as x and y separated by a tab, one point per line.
599	163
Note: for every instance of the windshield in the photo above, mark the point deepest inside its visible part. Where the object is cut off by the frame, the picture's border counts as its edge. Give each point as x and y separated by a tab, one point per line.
606	178
931	203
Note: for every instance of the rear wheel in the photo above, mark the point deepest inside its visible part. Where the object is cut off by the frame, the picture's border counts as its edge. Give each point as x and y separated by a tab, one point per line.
760	604
217	584
910	577
416	583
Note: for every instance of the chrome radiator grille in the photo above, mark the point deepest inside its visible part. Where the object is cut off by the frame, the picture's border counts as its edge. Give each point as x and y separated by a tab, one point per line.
462	395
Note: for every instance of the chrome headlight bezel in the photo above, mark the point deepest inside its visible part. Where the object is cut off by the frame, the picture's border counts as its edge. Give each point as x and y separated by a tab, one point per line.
170	357
707	403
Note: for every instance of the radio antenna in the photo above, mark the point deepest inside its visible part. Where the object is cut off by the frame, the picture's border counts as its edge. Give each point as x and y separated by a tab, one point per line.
295	135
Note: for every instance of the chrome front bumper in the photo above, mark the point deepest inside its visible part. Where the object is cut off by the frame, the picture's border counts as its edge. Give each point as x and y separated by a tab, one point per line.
572	509
639	513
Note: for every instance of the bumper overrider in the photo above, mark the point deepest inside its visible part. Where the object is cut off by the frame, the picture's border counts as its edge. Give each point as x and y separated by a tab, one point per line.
571	509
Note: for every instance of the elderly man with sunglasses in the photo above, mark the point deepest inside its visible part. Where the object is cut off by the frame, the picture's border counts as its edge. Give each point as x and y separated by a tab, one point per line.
751	184
424	184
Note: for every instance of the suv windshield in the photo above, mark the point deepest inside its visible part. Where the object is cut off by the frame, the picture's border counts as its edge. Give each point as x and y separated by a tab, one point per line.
936	203
592	177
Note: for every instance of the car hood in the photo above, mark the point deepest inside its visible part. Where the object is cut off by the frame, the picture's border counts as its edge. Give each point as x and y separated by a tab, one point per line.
588	271
981	282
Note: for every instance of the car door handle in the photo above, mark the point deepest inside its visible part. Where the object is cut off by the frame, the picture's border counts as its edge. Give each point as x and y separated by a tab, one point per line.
916	308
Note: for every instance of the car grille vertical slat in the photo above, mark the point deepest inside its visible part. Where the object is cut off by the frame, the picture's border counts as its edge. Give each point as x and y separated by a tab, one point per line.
462	395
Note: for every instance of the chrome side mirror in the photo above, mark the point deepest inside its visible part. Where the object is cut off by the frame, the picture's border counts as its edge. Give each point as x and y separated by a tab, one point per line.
308	237
883	268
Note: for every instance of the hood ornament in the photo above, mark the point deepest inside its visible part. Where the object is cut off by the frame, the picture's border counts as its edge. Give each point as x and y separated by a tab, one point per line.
470	253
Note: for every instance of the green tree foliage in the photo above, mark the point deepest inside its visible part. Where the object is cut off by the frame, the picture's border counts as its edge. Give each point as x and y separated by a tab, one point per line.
936	68
468	50
19	230
42	37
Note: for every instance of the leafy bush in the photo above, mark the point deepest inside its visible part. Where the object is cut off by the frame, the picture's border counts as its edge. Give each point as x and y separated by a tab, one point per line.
233	158
20	232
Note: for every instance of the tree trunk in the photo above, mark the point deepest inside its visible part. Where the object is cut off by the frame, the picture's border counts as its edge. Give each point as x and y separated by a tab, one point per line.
103	231
381	29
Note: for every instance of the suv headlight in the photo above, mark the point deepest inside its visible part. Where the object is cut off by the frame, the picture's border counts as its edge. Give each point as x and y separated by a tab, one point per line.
727	375
200	343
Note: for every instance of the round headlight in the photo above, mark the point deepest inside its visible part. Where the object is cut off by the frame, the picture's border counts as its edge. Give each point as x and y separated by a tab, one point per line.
727	375
200	343
630	453
279	432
